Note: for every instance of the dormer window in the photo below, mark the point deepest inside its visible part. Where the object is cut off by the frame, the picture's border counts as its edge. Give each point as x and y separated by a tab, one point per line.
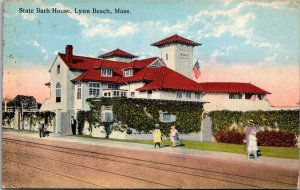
128	72
105	72
156	63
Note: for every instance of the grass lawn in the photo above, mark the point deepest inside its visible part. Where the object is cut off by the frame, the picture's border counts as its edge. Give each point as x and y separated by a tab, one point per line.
278	152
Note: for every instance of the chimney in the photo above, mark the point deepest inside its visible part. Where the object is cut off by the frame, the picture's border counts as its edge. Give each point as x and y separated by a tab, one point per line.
69	53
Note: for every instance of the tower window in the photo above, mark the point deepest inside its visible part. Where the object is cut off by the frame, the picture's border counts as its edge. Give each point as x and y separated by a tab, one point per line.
167	57
58	92
58	69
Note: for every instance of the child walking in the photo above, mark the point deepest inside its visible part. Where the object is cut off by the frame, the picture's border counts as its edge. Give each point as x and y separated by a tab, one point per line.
157	136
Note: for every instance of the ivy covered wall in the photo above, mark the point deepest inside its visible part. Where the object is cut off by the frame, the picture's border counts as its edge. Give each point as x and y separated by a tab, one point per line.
285	120
142	114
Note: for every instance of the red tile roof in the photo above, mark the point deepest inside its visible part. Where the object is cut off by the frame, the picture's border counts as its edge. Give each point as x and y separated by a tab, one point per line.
85	63
176	39
117	53
227	87
157	78
167	79
93	73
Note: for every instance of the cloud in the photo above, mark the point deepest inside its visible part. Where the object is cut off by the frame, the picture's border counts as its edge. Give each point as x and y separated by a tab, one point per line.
42	48
93	26
28	16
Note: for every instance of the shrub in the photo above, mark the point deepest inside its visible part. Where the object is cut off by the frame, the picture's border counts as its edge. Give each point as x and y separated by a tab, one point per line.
276	138
264	138
233	137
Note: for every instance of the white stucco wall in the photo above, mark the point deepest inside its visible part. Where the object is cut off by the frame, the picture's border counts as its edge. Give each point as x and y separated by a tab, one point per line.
182	64
68	91
172	95
221	101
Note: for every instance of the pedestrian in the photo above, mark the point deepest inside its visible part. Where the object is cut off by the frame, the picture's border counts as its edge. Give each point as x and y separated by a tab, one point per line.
174	135
41	129
73	125
251	140
157	136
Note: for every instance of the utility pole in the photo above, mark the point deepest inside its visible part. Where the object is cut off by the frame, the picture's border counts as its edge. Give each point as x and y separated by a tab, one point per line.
22	116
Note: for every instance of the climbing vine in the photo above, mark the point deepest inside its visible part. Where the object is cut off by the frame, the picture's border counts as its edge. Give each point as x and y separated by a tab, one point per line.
285	120
7	118
141	114
34	117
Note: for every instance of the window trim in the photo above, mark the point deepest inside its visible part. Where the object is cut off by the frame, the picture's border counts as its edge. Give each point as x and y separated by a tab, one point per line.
128	72
94	89
179	95
106	72
188	95
235	95
79	92
58	92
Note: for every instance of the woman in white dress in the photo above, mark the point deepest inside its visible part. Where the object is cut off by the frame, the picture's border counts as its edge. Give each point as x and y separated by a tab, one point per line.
252	144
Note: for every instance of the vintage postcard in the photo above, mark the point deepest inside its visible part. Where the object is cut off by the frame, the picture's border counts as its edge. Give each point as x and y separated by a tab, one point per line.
150	94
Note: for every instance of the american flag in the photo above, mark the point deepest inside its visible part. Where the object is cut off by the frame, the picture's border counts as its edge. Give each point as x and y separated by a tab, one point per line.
196	70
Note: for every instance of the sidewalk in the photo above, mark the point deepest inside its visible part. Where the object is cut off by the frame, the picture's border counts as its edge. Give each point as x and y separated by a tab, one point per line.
290	163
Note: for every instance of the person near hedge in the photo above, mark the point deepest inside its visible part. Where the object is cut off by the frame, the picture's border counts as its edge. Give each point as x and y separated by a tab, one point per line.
174	134
73	125
157	136
251	144
41	129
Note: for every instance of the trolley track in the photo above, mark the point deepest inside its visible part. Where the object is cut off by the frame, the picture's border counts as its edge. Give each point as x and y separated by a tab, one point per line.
179	169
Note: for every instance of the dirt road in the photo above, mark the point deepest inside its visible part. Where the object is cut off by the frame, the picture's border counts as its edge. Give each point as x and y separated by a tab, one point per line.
32	163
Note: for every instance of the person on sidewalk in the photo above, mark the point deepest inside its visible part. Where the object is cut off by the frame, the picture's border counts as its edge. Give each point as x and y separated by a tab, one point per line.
252	144
174	135
41	129
251	140
73	125
157	136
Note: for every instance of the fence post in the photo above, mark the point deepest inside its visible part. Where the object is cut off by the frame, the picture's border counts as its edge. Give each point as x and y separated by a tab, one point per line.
17	120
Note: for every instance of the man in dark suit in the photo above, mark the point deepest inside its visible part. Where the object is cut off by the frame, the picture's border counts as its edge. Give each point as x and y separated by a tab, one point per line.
73	125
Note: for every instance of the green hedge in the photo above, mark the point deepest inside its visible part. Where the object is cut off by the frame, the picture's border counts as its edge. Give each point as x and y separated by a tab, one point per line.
285	120
142	114
7	118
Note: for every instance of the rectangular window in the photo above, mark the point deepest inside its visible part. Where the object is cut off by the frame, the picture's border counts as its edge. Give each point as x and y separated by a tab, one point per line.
260	96
167	57
128	72
179	95
58	69
79	91
106	94
94	89
149	93
112	86
235	96
166	117
197	95
132	94
188	95
106	72
123	93
248	95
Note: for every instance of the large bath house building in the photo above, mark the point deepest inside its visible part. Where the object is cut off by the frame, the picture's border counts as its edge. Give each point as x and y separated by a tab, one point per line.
75	78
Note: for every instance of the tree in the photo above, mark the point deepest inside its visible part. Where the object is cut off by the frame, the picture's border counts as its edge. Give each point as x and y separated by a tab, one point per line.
28	101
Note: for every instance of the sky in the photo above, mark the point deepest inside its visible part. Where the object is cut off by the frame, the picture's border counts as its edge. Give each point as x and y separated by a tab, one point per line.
242	41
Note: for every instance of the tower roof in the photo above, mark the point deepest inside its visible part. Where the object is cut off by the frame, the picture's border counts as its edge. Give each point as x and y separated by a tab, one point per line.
117	53
175	39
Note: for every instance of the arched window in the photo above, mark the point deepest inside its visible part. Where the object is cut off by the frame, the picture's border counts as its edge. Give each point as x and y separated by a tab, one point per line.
58	92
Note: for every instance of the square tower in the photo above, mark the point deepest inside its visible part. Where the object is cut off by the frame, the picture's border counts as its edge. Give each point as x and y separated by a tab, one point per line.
177	53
